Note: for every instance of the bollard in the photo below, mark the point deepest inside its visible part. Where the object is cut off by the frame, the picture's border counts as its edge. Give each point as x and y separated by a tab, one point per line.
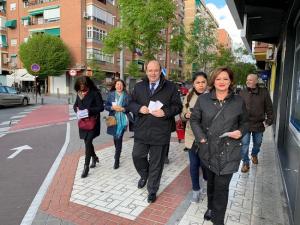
69	101
58	95
42	101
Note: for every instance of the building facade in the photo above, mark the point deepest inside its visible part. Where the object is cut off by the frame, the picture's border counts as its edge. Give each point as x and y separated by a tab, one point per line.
278	23
196	10
82	25
224	38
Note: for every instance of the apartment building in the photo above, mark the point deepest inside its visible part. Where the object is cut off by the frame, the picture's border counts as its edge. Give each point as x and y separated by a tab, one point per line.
172	62
195	10
82	25
224	38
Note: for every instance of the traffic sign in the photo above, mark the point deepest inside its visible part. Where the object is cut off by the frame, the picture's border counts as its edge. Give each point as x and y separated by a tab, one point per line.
35	67
73	73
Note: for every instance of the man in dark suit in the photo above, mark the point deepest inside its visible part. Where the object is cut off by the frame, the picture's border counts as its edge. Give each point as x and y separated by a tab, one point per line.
153	126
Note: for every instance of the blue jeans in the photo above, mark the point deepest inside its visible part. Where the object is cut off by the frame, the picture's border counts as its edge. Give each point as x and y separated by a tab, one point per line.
257	140
195	164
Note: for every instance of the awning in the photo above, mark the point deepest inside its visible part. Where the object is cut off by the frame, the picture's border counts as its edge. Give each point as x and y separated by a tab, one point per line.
36	12
25	17
37	31
13	55
51	7
11	23
54	31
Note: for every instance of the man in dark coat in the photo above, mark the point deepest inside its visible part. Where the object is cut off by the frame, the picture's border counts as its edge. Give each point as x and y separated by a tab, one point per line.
260	110
153	126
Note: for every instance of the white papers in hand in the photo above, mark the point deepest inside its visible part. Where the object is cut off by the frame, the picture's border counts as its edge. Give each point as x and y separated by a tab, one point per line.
224	135
154	105
82	114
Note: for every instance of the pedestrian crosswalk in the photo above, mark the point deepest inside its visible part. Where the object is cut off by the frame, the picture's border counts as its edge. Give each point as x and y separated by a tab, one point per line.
6	125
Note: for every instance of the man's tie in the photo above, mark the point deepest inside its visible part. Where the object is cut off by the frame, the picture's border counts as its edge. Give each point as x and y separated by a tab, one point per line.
152	89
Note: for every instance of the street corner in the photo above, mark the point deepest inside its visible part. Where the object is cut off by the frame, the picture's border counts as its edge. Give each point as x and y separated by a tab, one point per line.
111	196
41	116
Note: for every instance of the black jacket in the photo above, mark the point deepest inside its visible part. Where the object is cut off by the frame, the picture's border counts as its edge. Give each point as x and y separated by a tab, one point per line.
94	104
259	107
220	155
147	128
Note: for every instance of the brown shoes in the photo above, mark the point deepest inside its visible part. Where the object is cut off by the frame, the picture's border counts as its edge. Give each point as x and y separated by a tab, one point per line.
254	159
245	168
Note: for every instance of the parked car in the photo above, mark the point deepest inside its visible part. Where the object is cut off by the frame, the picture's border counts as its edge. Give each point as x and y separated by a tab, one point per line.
182	88
10	96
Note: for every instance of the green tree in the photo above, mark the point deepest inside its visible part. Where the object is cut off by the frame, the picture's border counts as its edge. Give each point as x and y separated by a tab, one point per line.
133	69
141	26
201	44
97	73
47	51
241	70
223	57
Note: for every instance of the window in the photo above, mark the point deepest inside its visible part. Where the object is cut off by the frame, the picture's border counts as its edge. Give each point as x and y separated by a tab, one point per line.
13	6
99	55
52	15
11	90
95	33
99	15
295	103
89	33
111	2
13	42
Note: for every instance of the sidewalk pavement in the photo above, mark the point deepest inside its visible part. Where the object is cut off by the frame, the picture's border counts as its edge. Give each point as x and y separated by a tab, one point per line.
109	196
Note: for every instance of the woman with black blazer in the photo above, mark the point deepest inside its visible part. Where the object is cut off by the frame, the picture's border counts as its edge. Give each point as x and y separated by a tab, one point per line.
116	104
219	120
88	100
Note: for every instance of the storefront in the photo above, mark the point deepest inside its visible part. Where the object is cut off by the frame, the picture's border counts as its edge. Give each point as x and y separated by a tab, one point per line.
278	22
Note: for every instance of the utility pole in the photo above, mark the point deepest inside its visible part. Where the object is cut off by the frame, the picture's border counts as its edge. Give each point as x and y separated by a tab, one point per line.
167	58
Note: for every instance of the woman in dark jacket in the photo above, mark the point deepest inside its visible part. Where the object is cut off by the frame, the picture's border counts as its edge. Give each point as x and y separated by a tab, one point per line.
219	120
116	104
88	98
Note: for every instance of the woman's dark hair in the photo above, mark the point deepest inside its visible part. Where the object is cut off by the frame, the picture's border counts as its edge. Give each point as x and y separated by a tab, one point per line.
113	87
86	81
216	73
191	93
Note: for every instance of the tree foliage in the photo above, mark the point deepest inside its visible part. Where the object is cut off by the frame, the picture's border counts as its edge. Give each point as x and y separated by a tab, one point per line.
140	27
236	61
47	51
97	73
201	44
133	69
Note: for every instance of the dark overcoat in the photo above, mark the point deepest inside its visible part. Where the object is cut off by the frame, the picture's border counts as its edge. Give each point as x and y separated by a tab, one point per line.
220	155
149	129
94	104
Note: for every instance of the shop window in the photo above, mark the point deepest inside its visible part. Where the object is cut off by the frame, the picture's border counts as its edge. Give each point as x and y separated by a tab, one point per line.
295	103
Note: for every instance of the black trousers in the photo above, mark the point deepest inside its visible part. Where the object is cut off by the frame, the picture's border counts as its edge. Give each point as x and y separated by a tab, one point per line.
89	148
217	195
118	146
152	168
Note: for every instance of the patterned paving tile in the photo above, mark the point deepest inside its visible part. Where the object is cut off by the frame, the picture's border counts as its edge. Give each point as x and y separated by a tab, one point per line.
254	198
115	191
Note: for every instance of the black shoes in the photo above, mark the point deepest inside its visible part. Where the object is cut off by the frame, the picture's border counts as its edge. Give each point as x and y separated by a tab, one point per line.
142	182
94	160
117	164
208	214
151	198
85	171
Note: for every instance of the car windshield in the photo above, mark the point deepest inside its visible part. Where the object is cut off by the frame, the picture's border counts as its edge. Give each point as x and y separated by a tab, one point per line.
11	90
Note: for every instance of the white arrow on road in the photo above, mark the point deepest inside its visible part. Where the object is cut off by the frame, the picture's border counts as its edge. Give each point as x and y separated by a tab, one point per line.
18	150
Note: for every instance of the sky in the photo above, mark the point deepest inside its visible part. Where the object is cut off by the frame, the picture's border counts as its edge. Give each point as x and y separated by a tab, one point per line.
222	14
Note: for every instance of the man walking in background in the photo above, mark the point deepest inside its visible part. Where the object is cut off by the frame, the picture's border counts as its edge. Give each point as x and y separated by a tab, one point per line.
260	110
155	101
